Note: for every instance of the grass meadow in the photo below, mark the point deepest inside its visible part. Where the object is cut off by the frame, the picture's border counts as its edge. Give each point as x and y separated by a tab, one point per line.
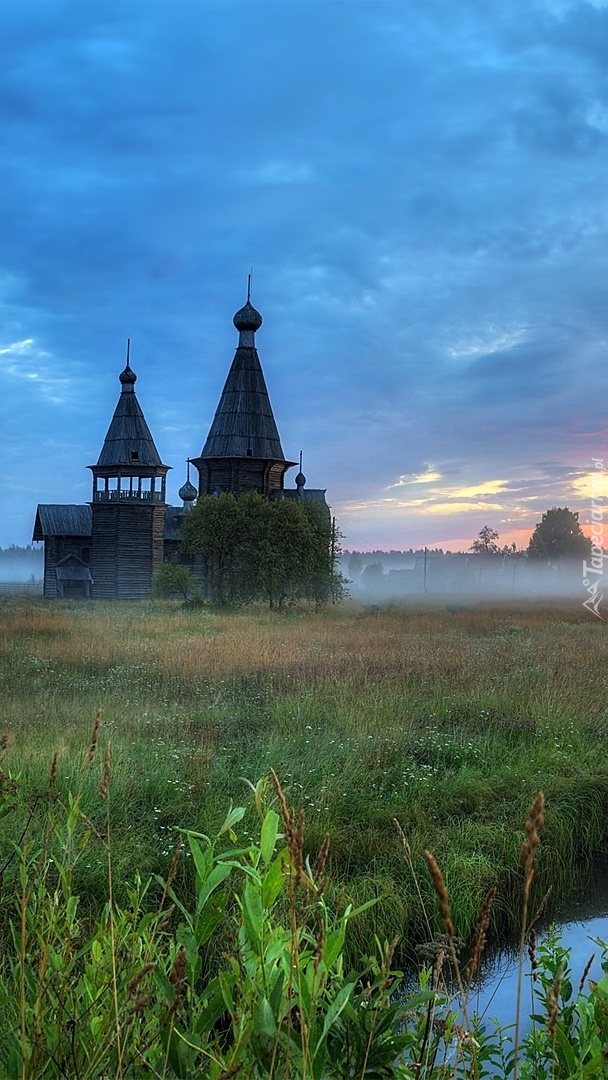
448	719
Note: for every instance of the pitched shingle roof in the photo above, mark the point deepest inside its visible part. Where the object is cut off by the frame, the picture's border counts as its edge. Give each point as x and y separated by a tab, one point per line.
244	425
62	520
128	440
71	568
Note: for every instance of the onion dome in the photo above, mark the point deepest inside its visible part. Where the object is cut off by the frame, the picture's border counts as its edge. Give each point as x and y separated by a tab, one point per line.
187	492
128	376
247	318
300	478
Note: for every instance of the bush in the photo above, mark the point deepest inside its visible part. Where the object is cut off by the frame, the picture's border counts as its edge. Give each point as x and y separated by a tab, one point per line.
172	581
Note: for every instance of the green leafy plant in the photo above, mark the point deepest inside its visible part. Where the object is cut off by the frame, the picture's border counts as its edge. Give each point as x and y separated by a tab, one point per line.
569	1038
139	990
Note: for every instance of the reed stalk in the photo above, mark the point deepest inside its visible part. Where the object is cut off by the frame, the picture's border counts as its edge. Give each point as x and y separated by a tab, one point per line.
533	824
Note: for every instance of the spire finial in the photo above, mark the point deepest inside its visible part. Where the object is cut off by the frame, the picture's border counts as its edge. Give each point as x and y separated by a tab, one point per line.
300	479
128	377
188	469
249	276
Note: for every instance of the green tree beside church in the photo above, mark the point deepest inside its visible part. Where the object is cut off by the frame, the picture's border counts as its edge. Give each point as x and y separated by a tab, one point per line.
255	548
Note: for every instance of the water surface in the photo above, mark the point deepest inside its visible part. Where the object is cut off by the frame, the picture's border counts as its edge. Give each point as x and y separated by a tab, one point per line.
583	918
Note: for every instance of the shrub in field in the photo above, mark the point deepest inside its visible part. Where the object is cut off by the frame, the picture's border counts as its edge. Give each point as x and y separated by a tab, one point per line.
171	581
134	992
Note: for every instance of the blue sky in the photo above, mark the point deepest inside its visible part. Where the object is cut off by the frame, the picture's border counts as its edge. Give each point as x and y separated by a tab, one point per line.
421	188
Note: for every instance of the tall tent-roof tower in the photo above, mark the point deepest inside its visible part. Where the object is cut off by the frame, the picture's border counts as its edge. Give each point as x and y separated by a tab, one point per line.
243	449
128	439
128	503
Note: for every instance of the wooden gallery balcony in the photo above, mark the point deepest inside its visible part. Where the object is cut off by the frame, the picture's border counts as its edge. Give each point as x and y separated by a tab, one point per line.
128	496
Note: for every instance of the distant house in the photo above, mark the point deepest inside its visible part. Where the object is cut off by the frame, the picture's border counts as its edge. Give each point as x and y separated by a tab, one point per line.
112	547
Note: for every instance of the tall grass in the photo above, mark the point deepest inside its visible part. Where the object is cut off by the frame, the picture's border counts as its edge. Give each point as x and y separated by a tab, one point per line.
449	721
138	990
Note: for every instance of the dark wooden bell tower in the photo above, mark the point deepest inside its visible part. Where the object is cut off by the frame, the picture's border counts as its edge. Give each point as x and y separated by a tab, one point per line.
129	503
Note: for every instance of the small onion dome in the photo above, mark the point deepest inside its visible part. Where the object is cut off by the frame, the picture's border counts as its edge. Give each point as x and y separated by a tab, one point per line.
128	376
247	318
300	479
187	492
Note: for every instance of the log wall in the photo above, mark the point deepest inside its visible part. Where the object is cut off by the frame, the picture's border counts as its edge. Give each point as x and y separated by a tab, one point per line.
127	549
239	474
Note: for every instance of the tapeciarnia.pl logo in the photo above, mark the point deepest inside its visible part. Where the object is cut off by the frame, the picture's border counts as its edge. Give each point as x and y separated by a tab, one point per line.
593	572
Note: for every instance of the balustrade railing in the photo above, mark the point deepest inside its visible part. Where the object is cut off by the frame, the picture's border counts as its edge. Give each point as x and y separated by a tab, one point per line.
128	496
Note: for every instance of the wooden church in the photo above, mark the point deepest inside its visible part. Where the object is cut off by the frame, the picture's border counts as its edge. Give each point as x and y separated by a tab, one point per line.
111	547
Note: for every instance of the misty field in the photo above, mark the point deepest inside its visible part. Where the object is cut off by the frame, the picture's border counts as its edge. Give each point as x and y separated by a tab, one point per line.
448	719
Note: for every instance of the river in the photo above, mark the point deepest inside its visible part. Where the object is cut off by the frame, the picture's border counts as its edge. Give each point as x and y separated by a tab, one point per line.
582	918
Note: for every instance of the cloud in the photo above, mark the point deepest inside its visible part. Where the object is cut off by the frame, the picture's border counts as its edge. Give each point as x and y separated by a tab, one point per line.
24	361
280	172
429	477
373	505
483	487
486	487
492	341
456	507
590	486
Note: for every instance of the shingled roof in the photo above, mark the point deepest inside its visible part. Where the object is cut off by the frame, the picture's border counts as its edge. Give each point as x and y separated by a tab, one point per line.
128	440
56	519
64	519
71	568
244	425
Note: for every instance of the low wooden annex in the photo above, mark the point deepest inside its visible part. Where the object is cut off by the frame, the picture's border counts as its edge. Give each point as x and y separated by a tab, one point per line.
111	547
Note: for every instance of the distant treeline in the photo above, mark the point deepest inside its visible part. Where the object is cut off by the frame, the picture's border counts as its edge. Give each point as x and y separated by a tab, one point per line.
21	563
355	561
394	553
